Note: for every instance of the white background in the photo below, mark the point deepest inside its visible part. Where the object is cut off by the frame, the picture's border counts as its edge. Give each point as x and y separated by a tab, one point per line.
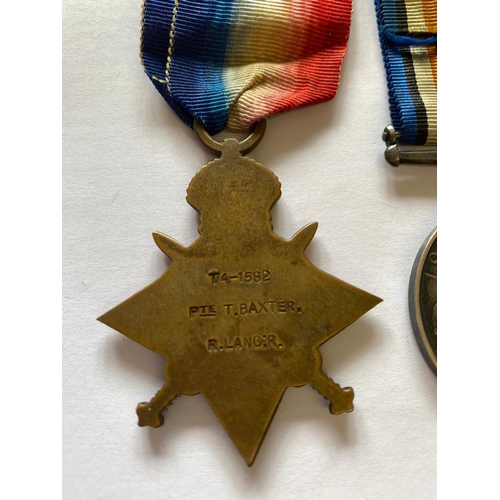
127	163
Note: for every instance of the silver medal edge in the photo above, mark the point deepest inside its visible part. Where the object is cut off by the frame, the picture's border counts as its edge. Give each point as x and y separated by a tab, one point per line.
414	303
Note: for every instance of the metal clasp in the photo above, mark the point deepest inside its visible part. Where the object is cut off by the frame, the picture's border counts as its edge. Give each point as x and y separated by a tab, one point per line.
244	147
396	156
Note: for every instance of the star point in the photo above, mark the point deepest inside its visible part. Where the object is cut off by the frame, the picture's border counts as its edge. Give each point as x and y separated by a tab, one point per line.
240	314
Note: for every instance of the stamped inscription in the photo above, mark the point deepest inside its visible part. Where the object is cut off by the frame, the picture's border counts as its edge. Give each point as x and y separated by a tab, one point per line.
254	342
245	309
217	278
241	312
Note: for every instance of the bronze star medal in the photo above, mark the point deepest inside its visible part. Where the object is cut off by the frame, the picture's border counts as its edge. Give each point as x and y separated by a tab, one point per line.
239	315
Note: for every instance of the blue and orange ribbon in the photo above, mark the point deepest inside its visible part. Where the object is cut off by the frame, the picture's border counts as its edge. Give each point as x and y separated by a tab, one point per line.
233	62
408	36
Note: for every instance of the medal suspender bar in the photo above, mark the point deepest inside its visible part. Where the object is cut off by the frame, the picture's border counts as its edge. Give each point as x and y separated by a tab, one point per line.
239	315
408	36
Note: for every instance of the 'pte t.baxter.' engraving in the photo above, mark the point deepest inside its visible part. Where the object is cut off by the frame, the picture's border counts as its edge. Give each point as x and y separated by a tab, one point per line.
240	314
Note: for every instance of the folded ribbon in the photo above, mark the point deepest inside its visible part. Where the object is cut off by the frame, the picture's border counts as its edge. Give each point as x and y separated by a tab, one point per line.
233	62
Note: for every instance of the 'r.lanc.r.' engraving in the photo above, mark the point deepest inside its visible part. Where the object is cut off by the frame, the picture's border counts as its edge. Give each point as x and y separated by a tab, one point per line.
254	342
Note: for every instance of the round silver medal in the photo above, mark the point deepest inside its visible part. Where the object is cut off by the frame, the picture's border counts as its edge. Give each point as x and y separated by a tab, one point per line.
423	299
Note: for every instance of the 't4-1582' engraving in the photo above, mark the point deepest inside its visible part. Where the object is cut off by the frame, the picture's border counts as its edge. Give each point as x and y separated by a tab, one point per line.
216	278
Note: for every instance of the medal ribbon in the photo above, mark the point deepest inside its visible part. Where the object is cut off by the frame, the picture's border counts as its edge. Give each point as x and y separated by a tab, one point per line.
408	36
233	62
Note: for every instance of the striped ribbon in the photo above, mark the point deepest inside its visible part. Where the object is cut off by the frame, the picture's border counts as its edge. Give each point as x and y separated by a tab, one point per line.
408	36
233	62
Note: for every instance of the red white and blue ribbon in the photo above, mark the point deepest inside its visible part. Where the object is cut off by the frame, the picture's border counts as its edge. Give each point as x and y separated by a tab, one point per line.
408	36
233	62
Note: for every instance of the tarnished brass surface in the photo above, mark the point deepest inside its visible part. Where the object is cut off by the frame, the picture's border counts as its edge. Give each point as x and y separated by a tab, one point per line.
423	299
239	314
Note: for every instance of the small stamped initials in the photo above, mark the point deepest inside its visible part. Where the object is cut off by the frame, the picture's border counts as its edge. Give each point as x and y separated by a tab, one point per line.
265	307
209	311
256	308
254	343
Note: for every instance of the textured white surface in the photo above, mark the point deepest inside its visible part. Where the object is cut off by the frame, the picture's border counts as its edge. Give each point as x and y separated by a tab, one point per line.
127	163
